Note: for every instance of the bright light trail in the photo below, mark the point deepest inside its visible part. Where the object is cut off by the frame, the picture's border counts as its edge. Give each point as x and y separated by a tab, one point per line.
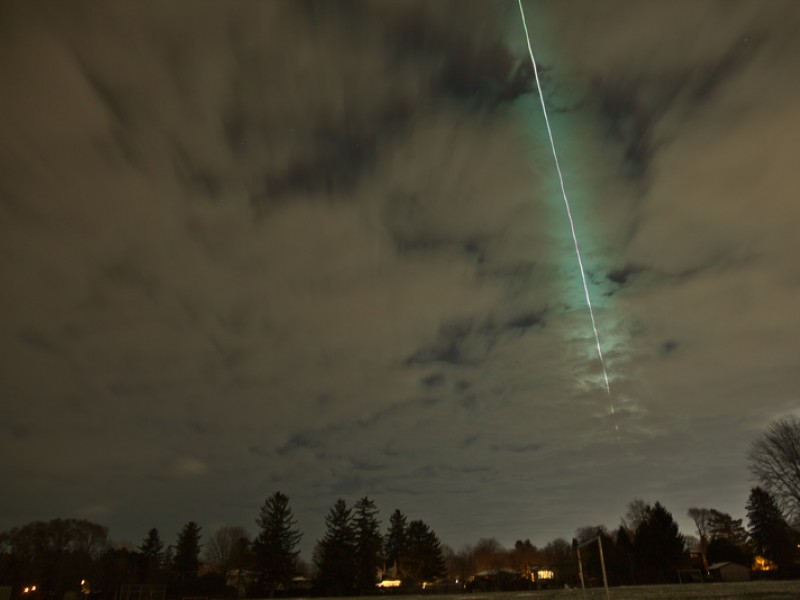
569	213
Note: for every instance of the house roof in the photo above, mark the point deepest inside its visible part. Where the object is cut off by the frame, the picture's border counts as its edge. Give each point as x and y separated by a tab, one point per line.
722	564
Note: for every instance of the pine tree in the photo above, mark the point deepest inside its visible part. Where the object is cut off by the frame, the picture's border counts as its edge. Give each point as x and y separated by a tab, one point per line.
424	560
275	548
335	555
187	552
769	532
368	544
395	543
722	525
152	557
626	552
658	546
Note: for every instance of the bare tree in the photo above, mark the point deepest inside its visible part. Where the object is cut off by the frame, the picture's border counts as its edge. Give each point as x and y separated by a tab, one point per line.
488	553
635	515
775	462
223	546
702	520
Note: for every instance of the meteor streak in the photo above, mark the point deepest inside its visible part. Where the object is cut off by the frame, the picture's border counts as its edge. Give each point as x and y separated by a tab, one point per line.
569	214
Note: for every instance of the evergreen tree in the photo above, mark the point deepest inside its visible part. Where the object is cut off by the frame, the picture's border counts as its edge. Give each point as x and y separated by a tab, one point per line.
722	549
728	539
423	560
626	552
187	553
616	557
658	546
368	555
722	525
395	543
275	548
560	554
769	532
523	556
151	553
335	555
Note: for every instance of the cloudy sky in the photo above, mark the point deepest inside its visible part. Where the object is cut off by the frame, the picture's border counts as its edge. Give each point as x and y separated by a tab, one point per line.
319	247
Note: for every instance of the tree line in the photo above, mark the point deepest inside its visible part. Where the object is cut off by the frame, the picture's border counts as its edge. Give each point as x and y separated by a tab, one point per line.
72	555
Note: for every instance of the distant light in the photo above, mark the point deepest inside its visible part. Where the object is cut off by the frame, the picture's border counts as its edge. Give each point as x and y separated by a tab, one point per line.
545	574
389	583
761	563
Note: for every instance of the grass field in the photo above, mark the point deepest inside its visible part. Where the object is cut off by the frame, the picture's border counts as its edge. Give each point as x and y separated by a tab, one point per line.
756	590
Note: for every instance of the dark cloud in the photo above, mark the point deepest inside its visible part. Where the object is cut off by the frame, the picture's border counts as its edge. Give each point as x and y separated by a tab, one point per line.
458	343
470	440
37	341
433	380
527	320
669	347
112	100
487	75
518	447
622	275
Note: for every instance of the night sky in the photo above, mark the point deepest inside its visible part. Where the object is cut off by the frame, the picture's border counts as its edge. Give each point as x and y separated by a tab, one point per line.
319	247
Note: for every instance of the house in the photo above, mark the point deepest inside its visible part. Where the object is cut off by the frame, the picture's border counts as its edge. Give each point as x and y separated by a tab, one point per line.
498	580
240	579
728	571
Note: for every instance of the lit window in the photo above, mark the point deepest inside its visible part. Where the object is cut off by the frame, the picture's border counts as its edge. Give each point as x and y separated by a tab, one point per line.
545	574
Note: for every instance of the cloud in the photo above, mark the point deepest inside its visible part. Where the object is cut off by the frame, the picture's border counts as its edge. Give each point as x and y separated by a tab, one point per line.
188	467
320	248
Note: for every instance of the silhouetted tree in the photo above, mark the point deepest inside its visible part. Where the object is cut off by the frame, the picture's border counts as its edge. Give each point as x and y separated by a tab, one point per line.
458	564
335	556
626	553
187	554
775	462
770	535
423	560
395	543
117	566
151	553
560	554
617	559
590	554
729	538
635	515
51	553
225	546
722	549
523	556
275	548
702	521
658	546
369	555
489	554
